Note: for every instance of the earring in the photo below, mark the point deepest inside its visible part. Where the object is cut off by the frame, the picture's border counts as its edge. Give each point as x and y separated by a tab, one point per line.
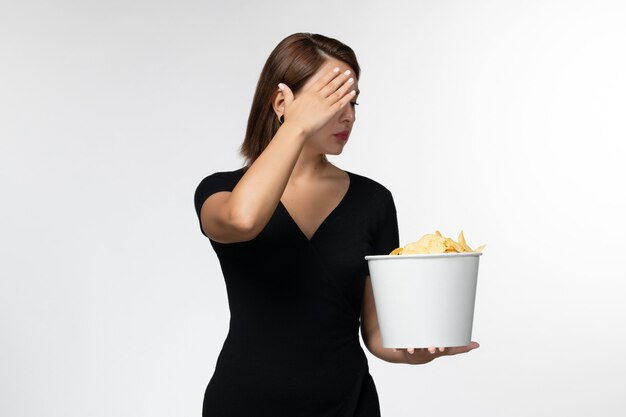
281	119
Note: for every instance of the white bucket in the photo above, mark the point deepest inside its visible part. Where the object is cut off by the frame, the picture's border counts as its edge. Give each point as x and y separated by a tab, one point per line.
425	300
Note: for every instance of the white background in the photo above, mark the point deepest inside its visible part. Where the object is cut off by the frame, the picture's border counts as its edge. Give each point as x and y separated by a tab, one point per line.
501	118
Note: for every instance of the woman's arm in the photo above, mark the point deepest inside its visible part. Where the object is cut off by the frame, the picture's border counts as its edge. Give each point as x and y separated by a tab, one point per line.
372	339
240	215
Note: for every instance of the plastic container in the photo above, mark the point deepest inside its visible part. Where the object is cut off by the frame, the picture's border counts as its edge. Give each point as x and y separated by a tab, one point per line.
425	300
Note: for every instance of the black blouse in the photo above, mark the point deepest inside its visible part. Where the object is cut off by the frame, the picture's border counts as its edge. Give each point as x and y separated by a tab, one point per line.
293	344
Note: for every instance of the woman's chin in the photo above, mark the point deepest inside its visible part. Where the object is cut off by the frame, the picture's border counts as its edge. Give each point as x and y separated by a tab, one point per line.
335	151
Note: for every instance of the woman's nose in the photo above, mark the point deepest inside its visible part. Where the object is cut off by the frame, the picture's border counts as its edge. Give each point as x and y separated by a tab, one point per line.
348	114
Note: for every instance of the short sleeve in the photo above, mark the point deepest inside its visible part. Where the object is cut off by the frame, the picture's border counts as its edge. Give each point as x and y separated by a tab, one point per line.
220	181
387	236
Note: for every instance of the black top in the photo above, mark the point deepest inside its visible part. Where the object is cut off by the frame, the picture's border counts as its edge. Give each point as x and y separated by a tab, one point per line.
293	344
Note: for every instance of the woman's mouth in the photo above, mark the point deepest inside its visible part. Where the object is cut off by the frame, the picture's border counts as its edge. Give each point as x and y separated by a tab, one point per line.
342	135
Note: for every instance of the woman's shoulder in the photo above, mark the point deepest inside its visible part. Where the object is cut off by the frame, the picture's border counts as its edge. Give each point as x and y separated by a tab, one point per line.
237	173
215	182
222	178
366	184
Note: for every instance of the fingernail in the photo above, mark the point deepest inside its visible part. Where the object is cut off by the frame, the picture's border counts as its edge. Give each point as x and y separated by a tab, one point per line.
336	69
347	72
353	92
441	349
351	80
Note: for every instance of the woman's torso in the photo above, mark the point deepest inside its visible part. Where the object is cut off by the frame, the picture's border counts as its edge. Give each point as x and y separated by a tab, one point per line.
295	303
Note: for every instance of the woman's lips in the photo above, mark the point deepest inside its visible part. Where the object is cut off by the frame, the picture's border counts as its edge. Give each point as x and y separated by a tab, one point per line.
342	135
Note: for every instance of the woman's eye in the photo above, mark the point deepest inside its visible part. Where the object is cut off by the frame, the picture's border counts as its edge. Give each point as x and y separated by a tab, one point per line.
354	103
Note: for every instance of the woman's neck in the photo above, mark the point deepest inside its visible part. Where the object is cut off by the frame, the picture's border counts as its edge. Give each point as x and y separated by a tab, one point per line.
310	167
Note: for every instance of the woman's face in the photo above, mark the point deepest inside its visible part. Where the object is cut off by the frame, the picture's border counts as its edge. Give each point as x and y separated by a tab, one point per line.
331	138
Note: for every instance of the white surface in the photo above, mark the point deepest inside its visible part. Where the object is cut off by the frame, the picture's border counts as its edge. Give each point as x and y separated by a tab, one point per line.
501	118
424	300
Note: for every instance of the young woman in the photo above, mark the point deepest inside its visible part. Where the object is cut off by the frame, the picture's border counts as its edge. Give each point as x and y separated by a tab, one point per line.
291	231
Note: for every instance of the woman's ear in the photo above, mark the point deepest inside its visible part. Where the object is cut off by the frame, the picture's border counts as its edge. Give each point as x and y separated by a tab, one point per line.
283	98
278	103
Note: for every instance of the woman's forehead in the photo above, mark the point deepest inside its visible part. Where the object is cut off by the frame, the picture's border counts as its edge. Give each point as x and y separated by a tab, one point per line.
328	66
332	63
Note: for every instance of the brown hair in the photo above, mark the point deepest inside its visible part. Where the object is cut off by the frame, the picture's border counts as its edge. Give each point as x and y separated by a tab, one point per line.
294	60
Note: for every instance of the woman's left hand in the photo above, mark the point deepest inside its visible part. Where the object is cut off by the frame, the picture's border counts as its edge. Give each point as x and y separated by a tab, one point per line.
417	356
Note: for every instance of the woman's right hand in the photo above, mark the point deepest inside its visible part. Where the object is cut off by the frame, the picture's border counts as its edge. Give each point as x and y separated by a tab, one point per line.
319	99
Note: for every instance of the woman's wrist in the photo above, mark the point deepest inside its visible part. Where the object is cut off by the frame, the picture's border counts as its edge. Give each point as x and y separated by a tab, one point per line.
293	131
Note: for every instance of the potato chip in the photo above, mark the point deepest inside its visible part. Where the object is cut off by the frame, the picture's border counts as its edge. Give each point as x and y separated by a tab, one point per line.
463	243
480	248
436	243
